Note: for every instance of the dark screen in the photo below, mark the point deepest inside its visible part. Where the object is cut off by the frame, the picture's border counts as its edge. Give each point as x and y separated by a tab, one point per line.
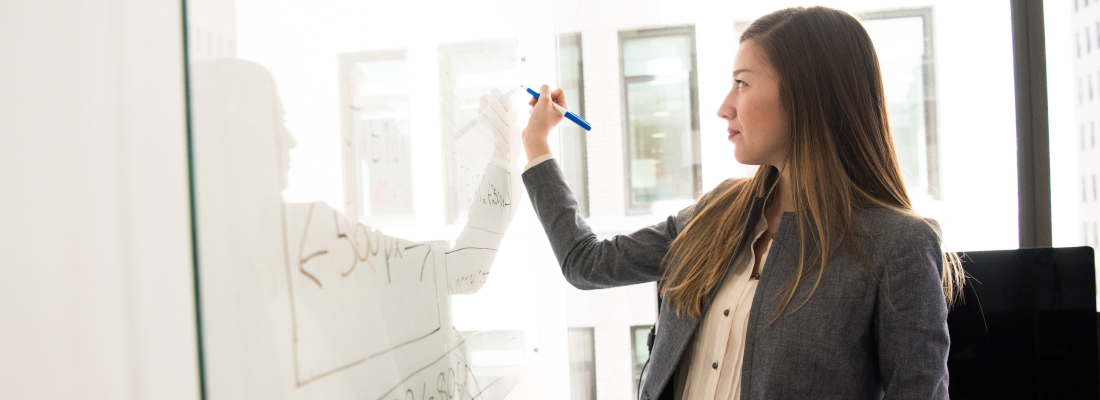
1026	328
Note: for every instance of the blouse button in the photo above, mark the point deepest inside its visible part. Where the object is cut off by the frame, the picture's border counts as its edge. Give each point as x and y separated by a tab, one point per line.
715	365
726	313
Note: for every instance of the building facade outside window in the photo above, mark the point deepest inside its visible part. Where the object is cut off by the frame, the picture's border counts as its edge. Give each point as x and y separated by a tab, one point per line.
1088	162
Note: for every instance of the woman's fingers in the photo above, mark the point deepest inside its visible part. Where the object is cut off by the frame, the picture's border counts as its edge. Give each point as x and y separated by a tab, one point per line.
544	96
559	97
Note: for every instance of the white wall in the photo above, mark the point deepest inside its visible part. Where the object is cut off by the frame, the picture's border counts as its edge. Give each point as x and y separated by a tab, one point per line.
95	294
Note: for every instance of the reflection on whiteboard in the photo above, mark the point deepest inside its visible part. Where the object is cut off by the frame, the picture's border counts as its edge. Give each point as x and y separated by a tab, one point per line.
467	70
375	116
300	301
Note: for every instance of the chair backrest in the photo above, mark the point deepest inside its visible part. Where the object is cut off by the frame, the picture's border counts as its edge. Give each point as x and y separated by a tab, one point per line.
1027	327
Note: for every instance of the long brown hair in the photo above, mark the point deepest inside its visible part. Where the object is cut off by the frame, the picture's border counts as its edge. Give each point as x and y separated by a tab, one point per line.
841	158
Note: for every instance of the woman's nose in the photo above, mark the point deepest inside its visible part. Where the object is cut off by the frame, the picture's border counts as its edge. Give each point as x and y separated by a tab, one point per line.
726	110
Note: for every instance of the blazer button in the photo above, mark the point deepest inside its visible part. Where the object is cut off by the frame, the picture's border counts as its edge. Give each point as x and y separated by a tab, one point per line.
726	313
715	365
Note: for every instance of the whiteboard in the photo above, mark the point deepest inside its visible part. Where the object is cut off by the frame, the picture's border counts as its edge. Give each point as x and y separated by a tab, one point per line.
330	273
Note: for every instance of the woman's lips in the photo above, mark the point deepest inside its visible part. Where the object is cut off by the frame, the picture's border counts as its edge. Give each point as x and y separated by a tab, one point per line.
733	132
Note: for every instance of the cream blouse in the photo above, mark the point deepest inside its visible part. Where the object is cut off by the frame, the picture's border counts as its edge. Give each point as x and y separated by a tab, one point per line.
711	367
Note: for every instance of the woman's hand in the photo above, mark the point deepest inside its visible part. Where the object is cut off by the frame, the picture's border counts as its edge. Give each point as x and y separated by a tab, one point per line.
543	119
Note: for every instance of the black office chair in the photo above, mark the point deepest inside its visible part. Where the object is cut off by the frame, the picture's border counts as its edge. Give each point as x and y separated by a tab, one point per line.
1028	327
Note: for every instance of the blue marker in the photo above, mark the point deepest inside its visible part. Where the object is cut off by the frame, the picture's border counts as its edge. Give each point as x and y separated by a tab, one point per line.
568	114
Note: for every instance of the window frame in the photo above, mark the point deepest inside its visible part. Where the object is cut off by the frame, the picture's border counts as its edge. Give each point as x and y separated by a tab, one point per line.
580	189
1032	124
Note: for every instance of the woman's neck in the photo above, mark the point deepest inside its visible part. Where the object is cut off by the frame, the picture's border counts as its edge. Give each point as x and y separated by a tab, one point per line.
785	196
784	193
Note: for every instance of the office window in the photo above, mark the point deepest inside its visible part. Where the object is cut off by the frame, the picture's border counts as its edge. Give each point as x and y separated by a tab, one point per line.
582	364
374	111
660	93
639	346
574	142
466	71
903	41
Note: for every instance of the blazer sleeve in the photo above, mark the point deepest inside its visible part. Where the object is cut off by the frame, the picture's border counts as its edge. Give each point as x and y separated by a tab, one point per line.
910	320
586	262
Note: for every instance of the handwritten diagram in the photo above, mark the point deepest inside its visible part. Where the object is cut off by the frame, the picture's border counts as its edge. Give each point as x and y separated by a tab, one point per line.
361	298
366	300
360	289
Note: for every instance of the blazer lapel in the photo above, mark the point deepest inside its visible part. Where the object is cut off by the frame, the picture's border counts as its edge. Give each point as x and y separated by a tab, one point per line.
675	332
756	210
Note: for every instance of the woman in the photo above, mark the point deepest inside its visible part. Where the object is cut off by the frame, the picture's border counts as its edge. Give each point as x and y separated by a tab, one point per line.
812	279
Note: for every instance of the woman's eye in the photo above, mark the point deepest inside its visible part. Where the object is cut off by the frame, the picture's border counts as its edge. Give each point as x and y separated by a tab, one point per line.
740	83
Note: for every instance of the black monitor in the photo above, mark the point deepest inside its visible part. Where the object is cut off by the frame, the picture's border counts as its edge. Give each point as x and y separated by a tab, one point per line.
1026	328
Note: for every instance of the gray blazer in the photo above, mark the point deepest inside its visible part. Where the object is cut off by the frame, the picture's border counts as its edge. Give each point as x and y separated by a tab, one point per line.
855	338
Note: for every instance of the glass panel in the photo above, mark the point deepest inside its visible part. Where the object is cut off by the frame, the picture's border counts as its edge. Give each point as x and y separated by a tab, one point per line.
340	167
657	72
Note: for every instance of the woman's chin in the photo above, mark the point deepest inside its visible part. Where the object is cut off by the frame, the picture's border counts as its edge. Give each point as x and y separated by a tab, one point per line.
741	158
